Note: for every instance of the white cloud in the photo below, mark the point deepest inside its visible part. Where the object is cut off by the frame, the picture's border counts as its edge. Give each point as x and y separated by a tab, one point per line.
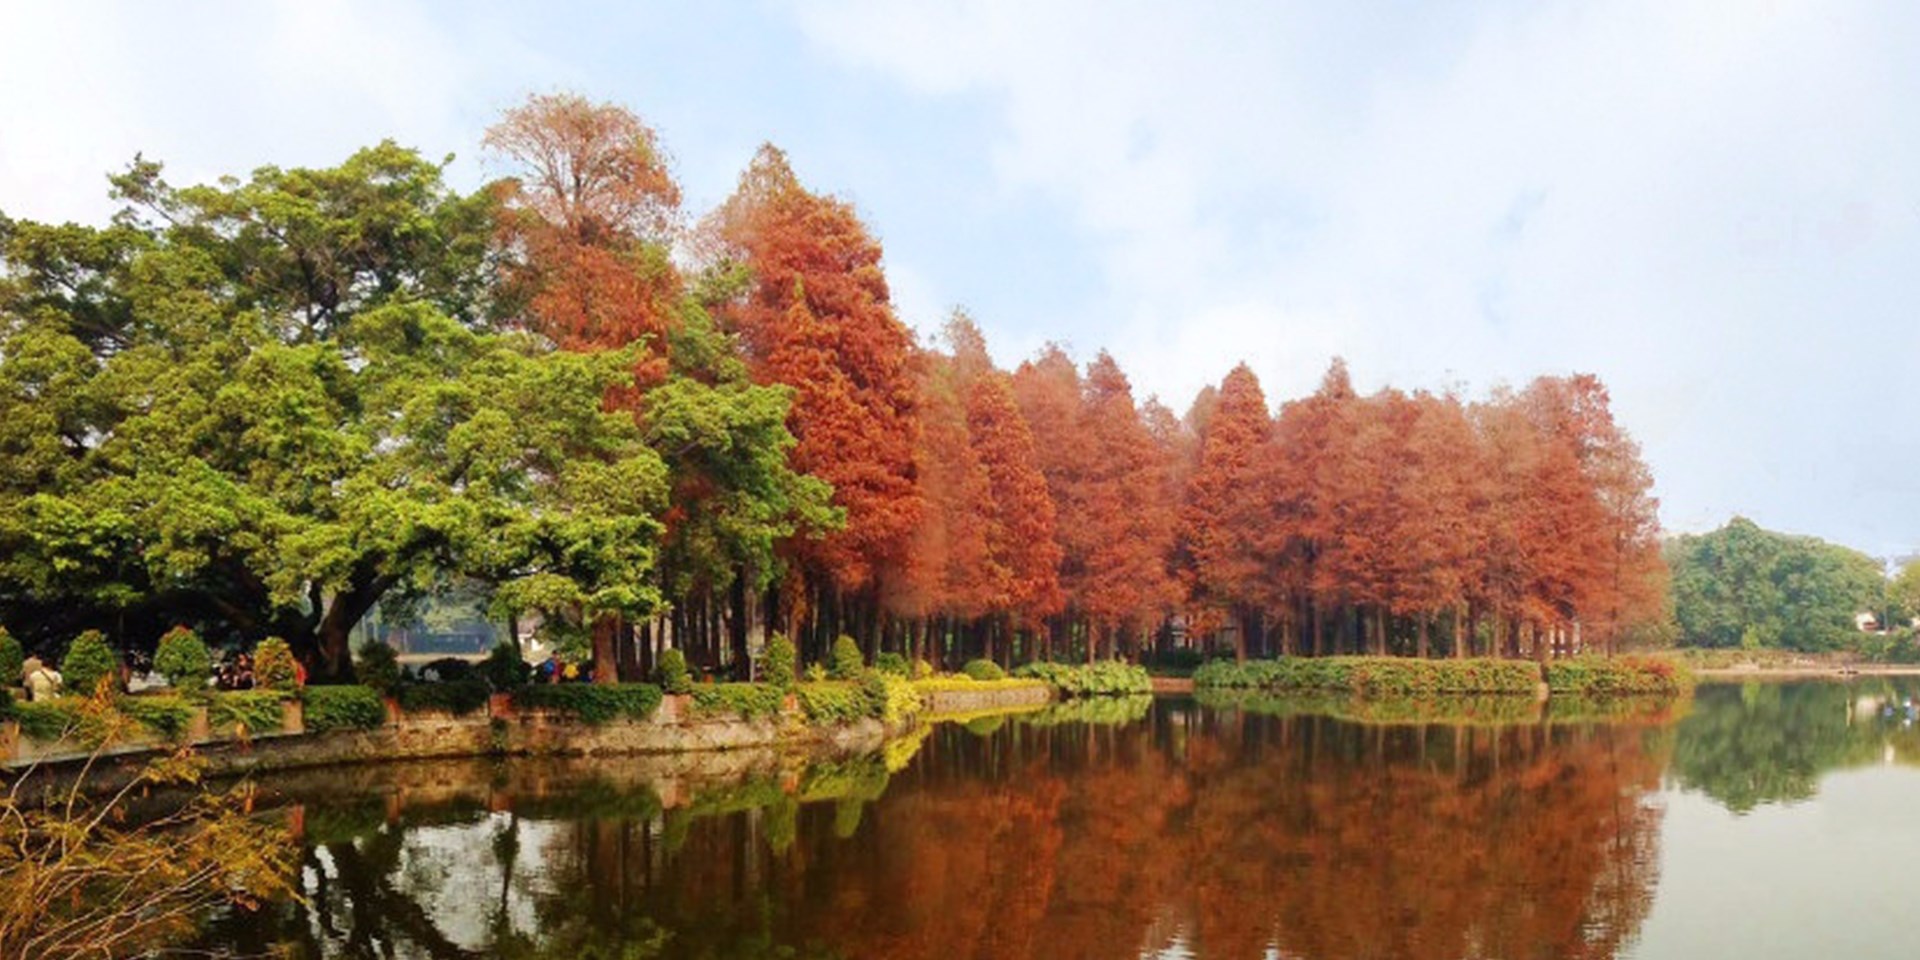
1712	205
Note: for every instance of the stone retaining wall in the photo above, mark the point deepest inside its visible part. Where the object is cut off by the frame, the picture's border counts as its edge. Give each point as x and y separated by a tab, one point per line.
991	698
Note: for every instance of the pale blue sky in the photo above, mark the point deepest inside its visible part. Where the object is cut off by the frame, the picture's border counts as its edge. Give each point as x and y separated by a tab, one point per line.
1713	206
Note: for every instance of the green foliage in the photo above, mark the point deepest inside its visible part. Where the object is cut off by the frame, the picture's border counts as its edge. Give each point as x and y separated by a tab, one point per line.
892	699
89	660
833	702
817	673
1107	678
1113	711
350	707
274	667
1374	676
12	660
962	682
458	697
922	670
779	662
847	659
49	720
245	713
888	662
1175	662
167	716
748	701
378	667
594	703
674	676
1743	586
504	669
183	658
291	376
983	670
1452	709
1602	677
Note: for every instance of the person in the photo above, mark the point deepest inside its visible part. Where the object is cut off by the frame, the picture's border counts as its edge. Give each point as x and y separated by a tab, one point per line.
43	682
549	669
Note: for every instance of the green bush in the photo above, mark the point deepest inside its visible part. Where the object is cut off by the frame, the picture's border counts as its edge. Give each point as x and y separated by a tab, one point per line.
49	720
458	697
183	659
1107	678
244	712
594	703
922	670
168	716
12	660
892	664
833	701
674	677
983	670
89	661
1618	676
746	700
847	659
343	708
893	699
817	673
447	670
1374	676
274	667
378	667
779	662
504	669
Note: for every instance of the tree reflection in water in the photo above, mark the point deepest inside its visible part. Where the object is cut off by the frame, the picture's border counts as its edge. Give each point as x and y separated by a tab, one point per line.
1196	832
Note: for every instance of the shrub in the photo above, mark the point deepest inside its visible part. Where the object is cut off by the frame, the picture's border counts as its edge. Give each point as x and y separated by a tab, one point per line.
343	708
817	673
746	700
1105	678
167	716
983	670
833	701
504	669
274	667
244	712
89	661
1374	676
378	667
674	676
892	699
594	703
12	660
49	720
847	659
892	664
184	660
779	662
1618	676
457	697
922	670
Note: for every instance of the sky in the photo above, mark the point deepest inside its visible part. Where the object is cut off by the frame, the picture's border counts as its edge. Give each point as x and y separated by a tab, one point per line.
1713	206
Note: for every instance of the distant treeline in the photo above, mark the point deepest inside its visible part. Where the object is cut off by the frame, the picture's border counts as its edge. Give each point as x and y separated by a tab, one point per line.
263	406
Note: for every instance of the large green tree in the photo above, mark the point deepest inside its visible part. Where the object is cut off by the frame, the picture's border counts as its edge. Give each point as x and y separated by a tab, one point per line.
1742	585
269	403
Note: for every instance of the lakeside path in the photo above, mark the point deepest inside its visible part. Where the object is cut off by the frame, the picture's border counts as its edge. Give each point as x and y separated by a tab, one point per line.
1806	672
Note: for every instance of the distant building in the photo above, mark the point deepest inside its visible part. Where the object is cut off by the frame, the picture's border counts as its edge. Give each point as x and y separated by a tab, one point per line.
1867	622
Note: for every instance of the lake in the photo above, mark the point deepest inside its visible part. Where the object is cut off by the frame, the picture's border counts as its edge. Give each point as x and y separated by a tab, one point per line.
1767	820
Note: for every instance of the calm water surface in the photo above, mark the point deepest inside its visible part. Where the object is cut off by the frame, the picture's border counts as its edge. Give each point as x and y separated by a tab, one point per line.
1770	820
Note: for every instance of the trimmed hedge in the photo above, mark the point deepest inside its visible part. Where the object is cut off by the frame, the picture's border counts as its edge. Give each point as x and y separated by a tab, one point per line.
89	660
674	675
378	667
274	667
49	720
889	662
594	703
833	701
343	708
1375	676
183	659
245	712
167	716
779	662
1107	678
983	670
457	697
12	660
847	660
1618	676
504	669
747	700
